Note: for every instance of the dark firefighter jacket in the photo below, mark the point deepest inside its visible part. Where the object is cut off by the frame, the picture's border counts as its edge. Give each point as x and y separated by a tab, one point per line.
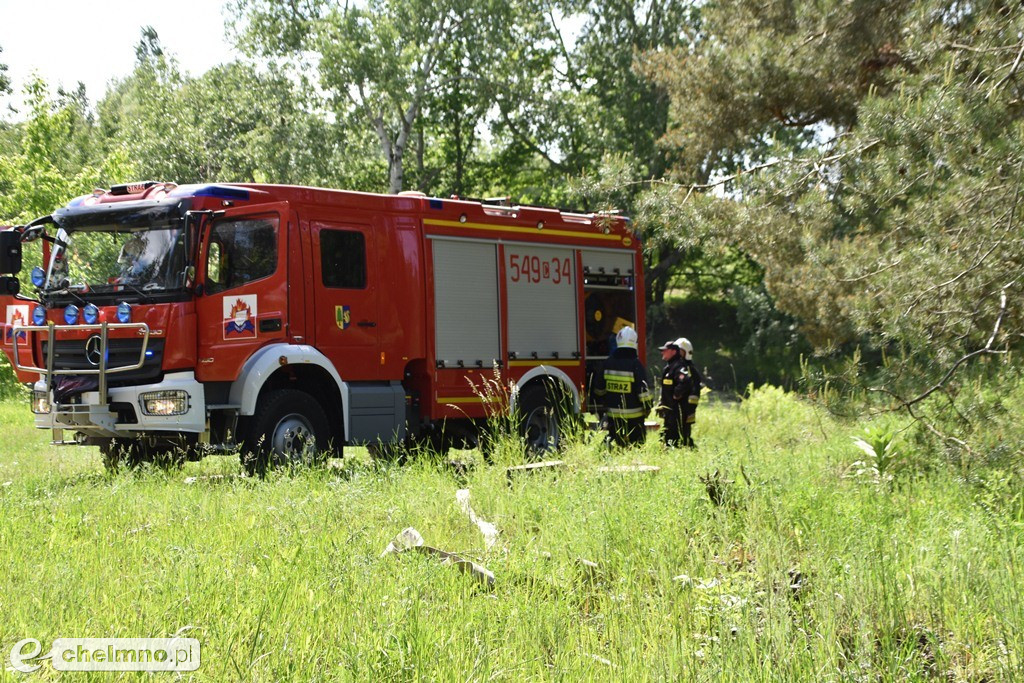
680	386
621	385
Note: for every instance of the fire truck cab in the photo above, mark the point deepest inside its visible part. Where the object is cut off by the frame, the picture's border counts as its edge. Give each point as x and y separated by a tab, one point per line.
291	320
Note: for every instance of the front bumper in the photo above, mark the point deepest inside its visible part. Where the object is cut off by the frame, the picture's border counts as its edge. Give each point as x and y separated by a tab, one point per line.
92	419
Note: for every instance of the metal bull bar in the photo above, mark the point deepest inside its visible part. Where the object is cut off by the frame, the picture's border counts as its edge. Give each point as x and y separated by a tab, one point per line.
102	370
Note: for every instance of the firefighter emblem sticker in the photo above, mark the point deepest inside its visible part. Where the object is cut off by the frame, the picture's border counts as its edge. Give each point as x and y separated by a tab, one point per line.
240	316
343	316
16	315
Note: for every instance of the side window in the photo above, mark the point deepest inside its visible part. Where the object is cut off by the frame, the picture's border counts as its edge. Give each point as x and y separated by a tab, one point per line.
240	251
343	259
213	259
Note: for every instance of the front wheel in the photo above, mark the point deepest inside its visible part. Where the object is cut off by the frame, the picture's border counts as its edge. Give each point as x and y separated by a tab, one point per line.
288	428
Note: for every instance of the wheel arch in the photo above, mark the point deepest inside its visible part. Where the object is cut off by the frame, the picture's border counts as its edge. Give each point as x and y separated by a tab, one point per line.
303	367
538	376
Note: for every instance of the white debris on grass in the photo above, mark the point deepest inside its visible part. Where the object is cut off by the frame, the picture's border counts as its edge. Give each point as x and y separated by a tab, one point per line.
489	531
410	539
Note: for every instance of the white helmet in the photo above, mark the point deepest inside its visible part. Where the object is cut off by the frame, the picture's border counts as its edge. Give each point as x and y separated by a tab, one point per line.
686	347
626	338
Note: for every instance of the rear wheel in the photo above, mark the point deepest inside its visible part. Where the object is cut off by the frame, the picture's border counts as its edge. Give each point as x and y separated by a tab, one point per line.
289	428
545	413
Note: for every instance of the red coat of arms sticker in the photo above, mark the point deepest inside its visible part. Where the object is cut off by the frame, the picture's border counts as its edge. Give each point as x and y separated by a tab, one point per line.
240	316
16	315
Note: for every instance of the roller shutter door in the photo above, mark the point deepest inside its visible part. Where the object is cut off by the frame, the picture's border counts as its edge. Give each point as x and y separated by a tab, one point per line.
466	320
542	307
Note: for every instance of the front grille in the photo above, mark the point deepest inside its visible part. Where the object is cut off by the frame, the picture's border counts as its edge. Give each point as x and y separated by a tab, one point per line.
70	355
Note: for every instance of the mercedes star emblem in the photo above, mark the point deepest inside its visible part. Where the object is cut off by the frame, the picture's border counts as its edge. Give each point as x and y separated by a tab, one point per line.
92	349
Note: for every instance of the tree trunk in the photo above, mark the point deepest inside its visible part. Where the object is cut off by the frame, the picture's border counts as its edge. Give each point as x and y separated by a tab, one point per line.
396	173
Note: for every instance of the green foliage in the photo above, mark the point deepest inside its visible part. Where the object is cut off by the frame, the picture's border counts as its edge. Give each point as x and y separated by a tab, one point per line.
883	454
5	80
727	353
55	159
897	230
9	386
868	159
48	167
760	74
235	123
380	63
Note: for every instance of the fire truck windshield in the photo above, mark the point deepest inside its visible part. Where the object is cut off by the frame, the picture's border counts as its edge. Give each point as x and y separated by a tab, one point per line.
124	253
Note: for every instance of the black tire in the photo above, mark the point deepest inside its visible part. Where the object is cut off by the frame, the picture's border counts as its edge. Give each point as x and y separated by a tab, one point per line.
289	428
544	416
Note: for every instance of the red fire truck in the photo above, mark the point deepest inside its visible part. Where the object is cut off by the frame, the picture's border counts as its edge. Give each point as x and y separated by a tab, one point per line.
296	319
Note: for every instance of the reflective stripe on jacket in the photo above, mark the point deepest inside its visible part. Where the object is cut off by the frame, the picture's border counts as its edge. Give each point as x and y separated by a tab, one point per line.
623	387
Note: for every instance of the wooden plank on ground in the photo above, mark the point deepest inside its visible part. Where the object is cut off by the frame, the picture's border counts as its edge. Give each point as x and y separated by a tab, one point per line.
629	469
533	467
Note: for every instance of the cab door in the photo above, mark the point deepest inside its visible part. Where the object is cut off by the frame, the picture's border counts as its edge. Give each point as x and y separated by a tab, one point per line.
347	311
243	301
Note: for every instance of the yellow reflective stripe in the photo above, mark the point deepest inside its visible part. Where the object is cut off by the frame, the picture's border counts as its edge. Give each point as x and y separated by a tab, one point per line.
625	413
618	373
695	400
579	234
666	381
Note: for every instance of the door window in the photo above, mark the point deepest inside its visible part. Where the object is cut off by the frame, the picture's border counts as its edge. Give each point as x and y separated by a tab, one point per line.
240	251
343	259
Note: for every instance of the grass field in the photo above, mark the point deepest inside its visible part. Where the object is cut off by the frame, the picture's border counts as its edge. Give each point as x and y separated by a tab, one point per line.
805	573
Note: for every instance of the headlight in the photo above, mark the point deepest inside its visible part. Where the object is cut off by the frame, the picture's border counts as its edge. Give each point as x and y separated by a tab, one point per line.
164	402
124	312
38	316
38	276
40	403
71	314
90	314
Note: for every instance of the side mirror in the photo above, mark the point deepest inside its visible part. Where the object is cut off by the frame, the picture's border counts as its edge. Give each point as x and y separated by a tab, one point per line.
10	252
9	286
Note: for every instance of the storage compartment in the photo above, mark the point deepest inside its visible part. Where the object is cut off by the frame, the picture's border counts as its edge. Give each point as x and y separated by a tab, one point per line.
466	320
609	298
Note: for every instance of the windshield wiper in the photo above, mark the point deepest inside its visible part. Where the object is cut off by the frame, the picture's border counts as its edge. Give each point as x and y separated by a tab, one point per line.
144	298
65	288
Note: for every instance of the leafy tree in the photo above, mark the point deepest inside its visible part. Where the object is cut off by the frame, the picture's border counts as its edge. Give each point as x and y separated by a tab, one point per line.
377	63
869	158
234	123
5	80
48	167
53	161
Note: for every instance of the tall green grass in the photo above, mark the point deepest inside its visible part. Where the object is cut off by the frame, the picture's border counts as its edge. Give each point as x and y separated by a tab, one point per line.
807	572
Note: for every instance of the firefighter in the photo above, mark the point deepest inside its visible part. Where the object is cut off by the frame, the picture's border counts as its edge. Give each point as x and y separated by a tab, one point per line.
675	380
130	259
622	387
686	390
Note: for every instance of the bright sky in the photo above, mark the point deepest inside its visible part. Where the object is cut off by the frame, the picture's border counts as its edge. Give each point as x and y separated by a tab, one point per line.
67	41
